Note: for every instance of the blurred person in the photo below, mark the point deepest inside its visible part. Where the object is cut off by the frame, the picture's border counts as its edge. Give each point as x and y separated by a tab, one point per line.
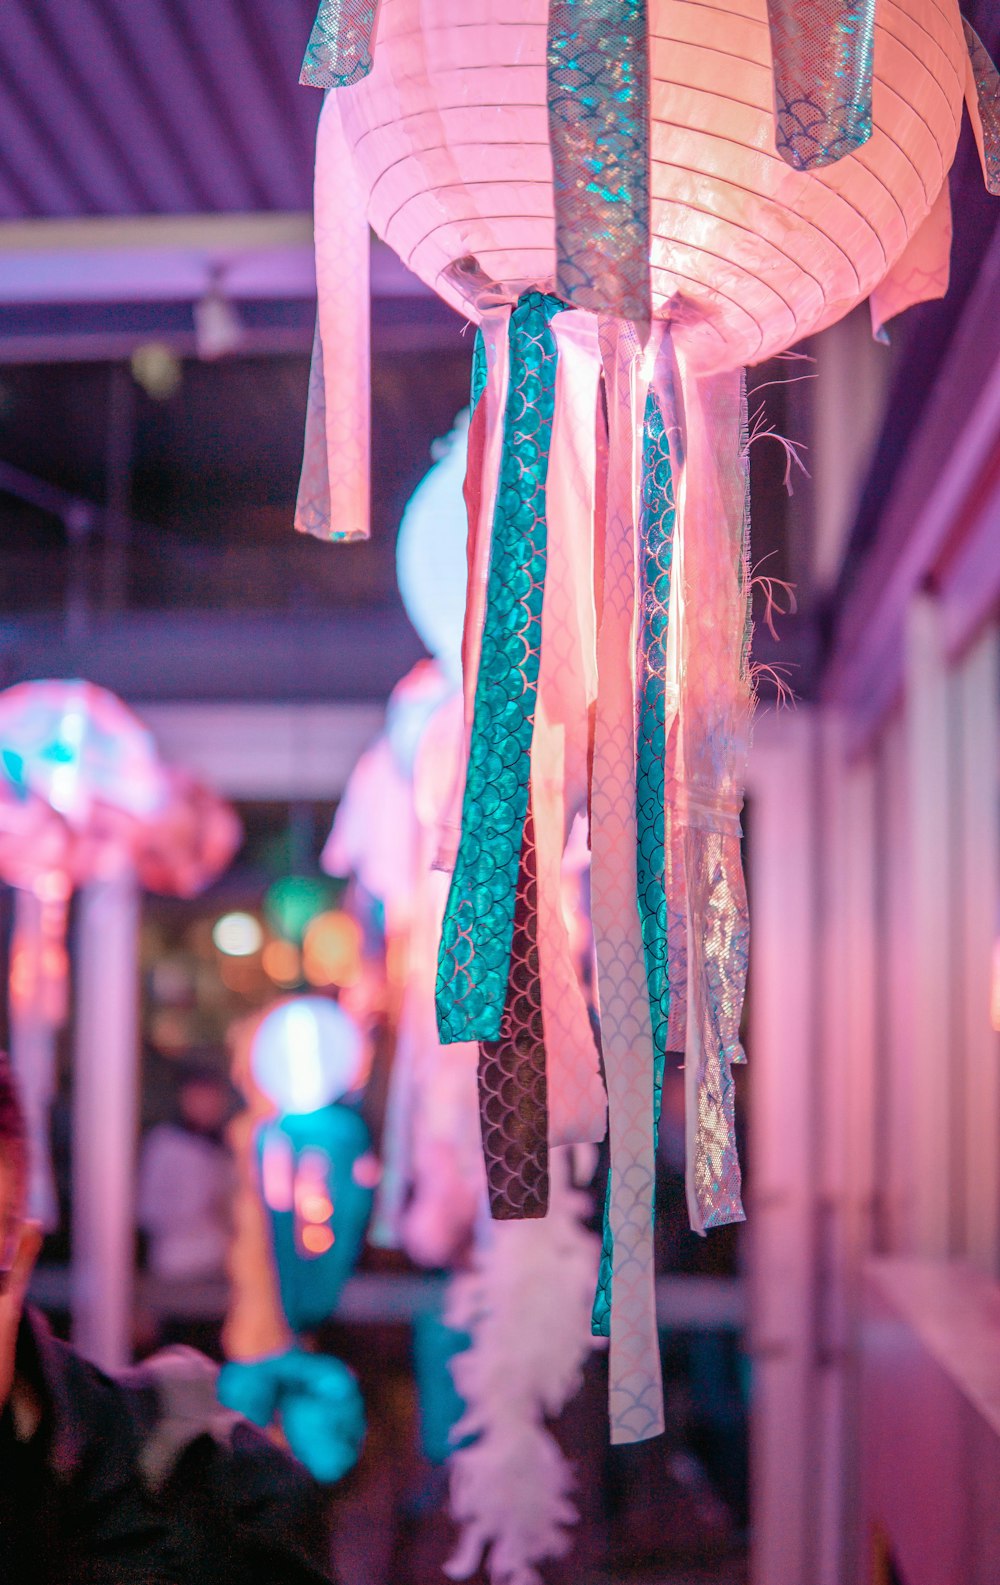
186	1183
72	1502
144	1480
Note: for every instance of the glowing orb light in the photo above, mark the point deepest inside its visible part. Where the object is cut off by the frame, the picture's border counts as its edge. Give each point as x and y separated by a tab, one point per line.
431	556
238	935
306	1054
331	950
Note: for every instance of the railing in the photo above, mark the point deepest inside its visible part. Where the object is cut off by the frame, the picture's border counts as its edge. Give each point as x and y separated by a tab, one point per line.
683	1303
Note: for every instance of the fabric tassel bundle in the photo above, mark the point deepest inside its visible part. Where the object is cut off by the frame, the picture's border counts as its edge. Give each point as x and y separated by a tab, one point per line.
630	223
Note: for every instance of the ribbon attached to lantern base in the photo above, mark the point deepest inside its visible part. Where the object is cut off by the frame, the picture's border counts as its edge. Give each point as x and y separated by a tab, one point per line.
333	496
715	704
627	1276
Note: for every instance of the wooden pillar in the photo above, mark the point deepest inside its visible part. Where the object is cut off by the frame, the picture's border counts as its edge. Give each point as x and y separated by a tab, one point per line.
105	1120
781	1155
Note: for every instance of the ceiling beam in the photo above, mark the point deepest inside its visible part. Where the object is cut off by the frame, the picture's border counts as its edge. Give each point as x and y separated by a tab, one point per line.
174	258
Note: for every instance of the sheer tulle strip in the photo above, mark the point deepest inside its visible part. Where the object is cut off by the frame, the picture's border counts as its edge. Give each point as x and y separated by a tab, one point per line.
487	400
636	1394
714	713
567	687
513	1090
822	52
333	498
340	45
598	102
475	955
983	98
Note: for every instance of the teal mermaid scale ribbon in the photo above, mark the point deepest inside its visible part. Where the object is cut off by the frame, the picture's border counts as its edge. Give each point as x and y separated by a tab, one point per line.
340	45
475	951
822	53
598	104
480	371
657	519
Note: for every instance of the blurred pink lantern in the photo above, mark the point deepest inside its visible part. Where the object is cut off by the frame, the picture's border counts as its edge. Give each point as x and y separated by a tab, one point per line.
84	797
633	199
189	844
73	745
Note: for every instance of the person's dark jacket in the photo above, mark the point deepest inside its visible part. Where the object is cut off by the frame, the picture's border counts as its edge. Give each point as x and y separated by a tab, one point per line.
73	1506
146	1481
241	1509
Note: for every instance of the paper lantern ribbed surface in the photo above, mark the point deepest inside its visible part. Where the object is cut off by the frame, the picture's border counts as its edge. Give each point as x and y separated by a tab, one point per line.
450	135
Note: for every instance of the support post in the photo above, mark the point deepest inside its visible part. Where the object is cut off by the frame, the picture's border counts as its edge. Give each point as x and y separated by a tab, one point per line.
105	1097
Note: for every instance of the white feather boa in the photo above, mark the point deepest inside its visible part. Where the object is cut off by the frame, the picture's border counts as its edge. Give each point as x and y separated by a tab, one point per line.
526	1304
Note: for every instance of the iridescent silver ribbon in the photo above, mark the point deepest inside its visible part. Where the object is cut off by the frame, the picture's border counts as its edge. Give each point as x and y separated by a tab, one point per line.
598	101
985	106
822	52
340	45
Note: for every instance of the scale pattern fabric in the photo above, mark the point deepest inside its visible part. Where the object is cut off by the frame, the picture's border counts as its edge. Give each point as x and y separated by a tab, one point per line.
984	107
339	51
822	54
598	105
656	549
655	558
333	495
714	712
475	953
635	1388
513	1102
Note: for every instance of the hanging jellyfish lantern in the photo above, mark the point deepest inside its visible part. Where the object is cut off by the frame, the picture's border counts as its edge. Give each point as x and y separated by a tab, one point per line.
84	796
633	199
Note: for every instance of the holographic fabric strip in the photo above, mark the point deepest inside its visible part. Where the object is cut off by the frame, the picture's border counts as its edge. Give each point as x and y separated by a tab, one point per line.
984	103
714	713
719	912
655	559
513	1098
475	953
598	102
340	45
822	52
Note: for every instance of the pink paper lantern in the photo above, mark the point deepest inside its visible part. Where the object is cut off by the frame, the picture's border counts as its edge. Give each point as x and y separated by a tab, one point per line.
451	144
